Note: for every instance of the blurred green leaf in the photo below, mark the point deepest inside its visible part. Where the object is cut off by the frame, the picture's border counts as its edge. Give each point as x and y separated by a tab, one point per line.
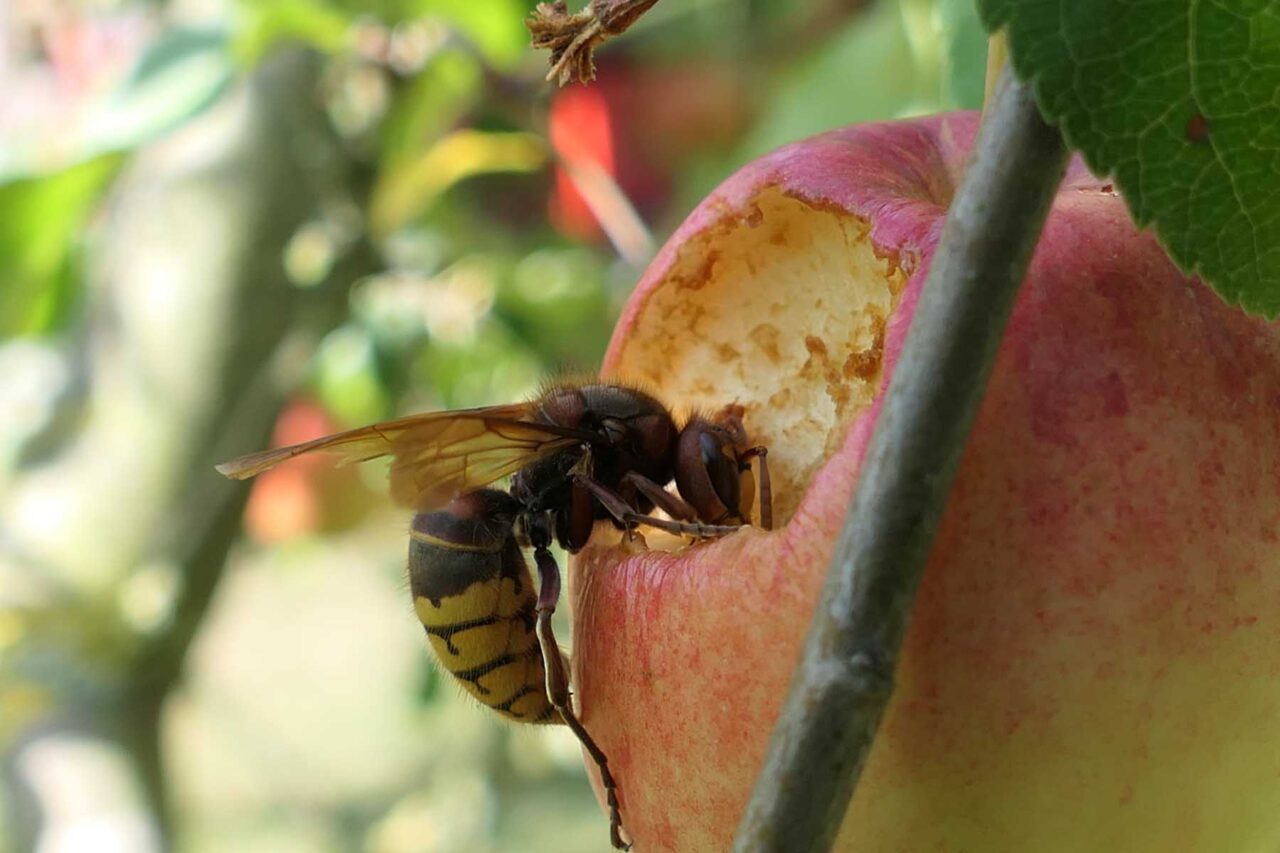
903	58
555	300
496	26
965	70
181	74
40	224
266	23
488	368
346	376
873	53
405	190
445	90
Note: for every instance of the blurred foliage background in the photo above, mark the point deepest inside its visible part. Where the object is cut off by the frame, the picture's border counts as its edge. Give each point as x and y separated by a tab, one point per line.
225	223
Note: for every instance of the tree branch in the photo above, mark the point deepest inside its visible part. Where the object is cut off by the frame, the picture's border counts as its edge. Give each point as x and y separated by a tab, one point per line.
189	311
845	677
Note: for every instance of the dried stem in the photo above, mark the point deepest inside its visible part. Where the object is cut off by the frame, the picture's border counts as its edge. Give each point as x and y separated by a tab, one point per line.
845	677
572	39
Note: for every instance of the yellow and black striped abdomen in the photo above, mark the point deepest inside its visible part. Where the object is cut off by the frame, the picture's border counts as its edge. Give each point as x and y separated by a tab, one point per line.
474	596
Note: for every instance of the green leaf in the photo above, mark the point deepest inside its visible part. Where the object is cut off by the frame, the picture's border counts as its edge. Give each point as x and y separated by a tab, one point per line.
346	376
908	58
875	46
408	189
491	366
555	300
965	65
180	75
40	219
435	100
496	26
267	23
1178	102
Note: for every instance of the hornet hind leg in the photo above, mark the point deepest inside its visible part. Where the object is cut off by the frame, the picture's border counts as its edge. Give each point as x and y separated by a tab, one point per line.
558	683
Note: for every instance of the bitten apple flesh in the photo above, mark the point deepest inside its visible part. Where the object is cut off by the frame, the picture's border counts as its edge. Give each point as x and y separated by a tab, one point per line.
1093	662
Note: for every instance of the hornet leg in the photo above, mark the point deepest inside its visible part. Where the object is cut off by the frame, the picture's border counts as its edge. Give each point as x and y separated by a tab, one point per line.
673	505
730	417
623	512
558	684
766	487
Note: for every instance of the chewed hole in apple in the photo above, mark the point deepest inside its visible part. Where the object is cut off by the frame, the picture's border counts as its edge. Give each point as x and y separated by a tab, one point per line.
779	306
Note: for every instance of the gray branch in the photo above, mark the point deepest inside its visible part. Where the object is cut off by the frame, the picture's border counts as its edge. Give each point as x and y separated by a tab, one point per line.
189	319
845	677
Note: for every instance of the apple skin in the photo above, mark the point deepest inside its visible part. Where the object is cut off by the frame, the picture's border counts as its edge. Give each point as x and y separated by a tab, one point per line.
1093	662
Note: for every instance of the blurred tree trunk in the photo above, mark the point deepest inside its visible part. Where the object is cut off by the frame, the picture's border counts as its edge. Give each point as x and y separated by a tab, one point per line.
191	332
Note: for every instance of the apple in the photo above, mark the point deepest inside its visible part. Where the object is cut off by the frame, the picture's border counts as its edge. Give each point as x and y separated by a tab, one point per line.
1093	662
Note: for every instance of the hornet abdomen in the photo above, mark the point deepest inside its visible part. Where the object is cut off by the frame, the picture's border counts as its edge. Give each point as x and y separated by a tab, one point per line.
475	598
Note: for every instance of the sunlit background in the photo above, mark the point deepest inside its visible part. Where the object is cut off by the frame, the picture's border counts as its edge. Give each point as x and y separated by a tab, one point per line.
224	224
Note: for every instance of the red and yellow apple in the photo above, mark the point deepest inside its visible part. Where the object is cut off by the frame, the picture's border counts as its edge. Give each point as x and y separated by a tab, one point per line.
1093	662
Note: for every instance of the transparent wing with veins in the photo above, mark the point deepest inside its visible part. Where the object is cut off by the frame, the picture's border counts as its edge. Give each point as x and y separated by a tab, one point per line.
435	456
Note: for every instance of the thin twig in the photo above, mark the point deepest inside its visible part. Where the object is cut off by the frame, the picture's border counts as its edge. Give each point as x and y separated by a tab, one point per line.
845	677
607	201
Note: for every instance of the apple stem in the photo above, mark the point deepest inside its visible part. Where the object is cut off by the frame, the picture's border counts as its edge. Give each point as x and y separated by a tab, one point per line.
845	677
